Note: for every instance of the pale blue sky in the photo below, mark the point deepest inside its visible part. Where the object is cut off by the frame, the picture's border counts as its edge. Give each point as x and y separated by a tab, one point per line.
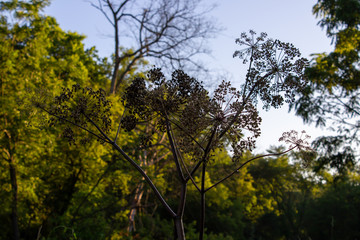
287	20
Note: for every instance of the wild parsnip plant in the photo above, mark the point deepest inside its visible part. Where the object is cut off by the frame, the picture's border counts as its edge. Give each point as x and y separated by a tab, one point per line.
195	122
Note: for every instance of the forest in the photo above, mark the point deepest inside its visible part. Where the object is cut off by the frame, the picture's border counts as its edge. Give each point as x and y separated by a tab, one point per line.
136	146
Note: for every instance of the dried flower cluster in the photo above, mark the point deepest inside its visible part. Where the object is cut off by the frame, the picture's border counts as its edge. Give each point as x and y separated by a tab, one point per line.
184	102
300	142
157	98
180	110
237	118
276	69
228	117
80	106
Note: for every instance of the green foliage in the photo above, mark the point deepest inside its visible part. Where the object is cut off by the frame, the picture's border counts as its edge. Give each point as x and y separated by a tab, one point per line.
86	191
195	124
337	14
335	214
36	54
285	194
331	97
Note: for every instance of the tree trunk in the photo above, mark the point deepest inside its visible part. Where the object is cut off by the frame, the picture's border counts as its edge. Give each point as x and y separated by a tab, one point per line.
135	204
14	189
116	57
114	77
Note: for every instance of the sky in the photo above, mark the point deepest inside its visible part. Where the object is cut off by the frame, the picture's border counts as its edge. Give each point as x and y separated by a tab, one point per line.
287	20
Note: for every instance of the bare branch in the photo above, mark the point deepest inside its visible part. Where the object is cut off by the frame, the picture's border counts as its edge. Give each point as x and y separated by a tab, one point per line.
101	9
169	31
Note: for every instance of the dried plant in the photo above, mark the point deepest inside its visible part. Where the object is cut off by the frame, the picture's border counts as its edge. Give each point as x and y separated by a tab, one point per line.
195	122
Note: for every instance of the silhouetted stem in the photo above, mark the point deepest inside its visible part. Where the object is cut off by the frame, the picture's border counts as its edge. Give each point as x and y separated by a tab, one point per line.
202	206
189	175
247	75
206	152
75	124
174	151
248	161
138	168
178	220
188	134
245	101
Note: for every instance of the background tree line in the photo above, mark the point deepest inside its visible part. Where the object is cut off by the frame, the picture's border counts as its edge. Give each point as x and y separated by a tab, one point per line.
51	189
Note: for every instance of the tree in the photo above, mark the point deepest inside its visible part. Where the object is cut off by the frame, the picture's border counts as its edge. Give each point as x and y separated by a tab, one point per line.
283	191
170	31
195	123
335	213
331	96
35	53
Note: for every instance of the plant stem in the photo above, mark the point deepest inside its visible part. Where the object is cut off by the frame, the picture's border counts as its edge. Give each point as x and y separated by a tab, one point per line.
202	208
178	220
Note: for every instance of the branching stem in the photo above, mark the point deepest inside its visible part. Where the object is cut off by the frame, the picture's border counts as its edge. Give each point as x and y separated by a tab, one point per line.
246	162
